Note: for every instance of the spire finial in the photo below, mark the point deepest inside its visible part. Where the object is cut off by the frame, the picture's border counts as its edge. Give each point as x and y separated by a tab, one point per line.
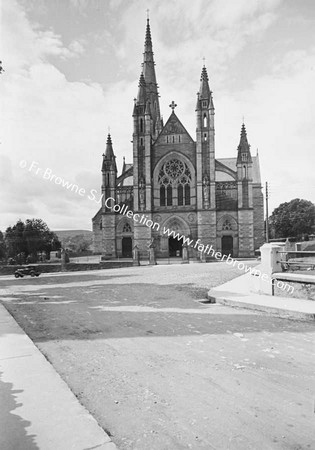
243	120
173	105
204	61
108	130
148	14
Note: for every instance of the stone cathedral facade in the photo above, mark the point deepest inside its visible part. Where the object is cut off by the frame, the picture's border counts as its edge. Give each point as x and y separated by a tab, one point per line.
178	182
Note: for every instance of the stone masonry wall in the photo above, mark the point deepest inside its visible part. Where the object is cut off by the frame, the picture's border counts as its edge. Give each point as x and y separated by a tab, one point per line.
259	232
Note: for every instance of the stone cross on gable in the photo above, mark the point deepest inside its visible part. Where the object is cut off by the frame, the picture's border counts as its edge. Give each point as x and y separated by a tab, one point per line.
173	105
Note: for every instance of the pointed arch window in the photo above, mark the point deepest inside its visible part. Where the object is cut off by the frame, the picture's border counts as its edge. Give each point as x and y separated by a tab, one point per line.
175	180
141	125
169	194
187	194
162	195
205	120
244	172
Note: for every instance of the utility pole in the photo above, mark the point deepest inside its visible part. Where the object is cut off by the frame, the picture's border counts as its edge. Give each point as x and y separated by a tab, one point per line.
267	223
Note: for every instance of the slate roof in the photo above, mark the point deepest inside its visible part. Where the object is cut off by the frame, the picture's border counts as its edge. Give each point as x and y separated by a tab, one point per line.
231	164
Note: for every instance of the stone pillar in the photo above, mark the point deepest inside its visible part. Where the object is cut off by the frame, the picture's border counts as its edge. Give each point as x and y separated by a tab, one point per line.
136	256
152	260
185	257
202	257
63	260
270	258
270	264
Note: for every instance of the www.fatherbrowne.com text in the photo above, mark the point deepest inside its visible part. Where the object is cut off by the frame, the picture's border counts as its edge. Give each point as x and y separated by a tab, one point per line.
123	209
207	249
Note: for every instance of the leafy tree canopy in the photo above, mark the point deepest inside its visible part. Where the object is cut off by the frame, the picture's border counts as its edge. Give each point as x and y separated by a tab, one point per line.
293	219
29	238
2	246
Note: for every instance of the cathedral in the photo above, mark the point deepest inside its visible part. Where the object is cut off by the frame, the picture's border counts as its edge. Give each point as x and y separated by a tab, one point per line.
177	183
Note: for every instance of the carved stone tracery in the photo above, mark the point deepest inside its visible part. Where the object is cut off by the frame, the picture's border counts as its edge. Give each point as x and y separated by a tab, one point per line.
174	172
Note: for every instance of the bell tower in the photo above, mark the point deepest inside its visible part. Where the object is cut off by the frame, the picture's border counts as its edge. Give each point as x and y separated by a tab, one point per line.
109	180
244	164
147	125
205	161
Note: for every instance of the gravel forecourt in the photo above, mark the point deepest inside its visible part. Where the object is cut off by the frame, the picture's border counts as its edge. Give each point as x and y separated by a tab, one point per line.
159	369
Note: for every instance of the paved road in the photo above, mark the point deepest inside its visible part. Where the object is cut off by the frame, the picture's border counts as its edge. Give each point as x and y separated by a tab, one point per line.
159	369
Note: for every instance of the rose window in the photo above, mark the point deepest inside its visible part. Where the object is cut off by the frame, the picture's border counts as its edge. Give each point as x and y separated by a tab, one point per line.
174	168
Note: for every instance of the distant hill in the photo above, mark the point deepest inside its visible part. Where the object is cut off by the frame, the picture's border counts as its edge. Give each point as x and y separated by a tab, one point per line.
64	234
76	240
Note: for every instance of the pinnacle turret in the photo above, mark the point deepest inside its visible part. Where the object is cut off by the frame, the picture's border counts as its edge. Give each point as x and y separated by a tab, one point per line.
204	91
141	99
109	152
204	99
109	159
243	149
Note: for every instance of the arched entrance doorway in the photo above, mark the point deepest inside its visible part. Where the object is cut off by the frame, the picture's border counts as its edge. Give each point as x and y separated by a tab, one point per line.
227	245
127	247
174	247
168	245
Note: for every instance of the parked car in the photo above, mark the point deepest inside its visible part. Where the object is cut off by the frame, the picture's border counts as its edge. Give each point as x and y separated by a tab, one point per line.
28	270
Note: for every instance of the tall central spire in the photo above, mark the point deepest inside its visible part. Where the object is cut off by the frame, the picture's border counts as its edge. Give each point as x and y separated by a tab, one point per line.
148	60
151	87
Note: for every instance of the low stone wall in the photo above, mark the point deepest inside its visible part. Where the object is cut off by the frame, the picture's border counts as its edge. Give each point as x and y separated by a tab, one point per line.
303	285
70	267
9	270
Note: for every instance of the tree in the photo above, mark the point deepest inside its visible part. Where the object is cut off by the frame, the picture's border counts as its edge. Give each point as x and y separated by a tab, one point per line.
39	238
2	246
30	238
14	240
293	219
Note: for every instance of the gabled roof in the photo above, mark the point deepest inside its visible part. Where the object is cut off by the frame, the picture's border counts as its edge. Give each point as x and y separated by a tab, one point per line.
97	215
174	126
230	163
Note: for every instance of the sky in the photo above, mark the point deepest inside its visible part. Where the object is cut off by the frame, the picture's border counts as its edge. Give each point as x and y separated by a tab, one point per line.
71	73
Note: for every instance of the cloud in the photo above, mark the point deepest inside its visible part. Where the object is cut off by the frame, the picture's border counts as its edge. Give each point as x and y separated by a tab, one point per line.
279	114
47	119
61	121
77	48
